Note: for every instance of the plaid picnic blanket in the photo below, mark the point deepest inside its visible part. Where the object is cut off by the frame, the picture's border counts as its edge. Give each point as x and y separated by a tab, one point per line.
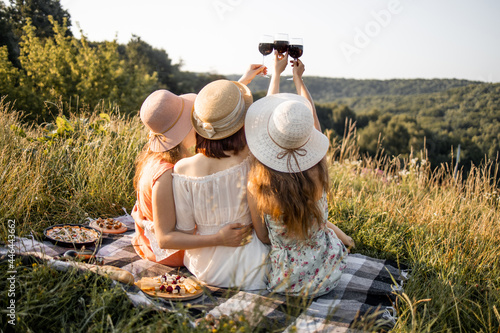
367	287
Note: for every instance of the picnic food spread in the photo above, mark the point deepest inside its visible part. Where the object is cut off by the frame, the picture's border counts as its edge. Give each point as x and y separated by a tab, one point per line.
109	225
72	233
171	286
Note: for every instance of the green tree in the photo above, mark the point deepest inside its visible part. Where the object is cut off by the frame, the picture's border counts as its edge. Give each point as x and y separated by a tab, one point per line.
333	116
7	36
341	113
62	67
189	82
324	112
38	12
371	137
14	84
152	60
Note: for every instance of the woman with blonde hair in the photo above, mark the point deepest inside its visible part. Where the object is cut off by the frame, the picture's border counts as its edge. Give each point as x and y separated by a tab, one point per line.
287	187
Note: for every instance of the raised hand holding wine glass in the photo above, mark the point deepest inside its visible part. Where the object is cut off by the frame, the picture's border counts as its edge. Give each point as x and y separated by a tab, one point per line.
266	46
295	50
281	44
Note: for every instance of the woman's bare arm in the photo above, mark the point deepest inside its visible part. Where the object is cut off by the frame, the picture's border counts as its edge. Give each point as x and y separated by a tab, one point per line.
165	220
280	62
298	71
257	221
348	241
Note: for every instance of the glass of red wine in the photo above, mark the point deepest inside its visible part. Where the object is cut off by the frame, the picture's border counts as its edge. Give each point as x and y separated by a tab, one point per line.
266	46
281	43
295	49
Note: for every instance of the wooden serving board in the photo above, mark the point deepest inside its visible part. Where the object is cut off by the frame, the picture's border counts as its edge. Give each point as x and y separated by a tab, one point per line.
168	296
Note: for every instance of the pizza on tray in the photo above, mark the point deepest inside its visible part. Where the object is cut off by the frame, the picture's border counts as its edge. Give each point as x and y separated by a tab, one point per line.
73	234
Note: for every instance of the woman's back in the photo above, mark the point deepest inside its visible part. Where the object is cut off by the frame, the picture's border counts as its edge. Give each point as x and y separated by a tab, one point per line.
208	203
200	165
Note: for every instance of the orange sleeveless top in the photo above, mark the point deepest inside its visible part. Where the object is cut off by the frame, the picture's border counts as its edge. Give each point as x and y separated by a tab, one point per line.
143	209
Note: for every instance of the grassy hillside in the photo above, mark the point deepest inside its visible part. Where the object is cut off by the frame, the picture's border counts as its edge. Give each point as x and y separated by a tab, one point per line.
446	229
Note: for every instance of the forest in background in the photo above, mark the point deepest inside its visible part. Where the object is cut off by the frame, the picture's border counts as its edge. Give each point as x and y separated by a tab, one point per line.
44	69
400	117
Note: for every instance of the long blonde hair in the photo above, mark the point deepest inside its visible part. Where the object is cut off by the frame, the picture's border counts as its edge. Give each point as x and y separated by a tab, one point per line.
290	197
147	155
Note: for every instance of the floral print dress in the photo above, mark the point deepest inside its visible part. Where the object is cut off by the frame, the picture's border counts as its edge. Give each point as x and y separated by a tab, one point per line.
305	267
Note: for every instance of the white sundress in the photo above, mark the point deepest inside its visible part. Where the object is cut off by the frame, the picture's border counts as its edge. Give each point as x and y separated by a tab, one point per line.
209	203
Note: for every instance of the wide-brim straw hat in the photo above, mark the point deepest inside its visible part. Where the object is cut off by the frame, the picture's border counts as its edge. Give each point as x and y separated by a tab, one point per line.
280	133
168	118
220	109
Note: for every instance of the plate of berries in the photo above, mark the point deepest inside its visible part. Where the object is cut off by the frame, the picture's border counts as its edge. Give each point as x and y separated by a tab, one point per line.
171	286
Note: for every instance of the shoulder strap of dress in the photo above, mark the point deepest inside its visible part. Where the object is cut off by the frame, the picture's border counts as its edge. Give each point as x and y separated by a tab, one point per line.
162	167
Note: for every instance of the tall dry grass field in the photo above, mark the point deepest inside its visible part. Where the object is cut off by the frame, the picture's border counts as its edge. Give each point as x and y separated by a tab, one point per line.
446	228
68	170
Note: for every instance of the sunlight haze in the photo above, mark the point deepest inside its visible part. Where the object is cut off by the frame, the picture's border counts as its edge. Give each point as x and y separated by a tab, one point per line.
363	39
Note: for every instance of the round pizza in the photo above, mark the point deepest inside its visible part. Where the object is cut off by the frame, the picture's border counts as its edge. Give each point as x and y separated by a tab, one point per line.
72	234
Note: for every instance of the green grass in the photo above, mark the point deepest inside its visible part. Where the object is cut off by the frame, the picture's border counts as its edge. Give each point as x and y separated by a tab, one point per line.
445	229
51	301
66	171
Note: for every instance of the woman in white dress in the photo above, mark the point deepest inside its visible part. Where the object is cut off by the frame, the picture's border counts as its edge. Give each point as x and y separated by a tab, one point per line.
210	189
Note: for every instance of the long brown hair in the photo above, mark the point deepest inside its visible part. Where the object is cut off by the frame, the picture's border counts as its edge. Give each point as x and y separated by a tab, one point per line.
146	155
290	197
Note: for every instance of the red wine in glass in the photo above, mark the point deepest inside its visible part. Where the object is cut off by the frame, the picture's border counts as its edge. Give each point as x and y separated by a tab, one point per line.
295	51
265	48
281	46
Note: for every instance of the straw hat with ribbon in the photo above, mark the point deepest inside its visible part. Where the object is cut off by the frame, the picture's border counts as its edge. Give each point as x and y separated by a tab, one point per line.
220	108
280	133
167	116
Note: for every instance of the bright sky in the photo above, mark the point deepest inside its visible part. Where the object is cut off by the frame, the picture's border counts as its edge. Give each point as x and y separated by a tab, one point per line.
363	39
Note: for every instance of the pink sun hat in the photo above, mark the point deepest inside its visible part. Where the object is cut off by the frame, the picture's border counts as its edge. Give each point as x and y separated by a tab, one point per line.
168	118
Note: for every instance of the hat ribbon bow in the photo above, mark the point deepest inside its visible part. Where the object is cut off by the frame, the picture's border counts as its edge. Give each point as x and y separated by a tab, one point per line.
209	129
290	153
157	136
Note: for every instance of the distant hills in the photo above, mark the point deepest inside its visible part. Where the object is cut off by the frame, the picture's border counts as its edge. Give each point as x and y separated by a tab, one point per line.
435	115
325	90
